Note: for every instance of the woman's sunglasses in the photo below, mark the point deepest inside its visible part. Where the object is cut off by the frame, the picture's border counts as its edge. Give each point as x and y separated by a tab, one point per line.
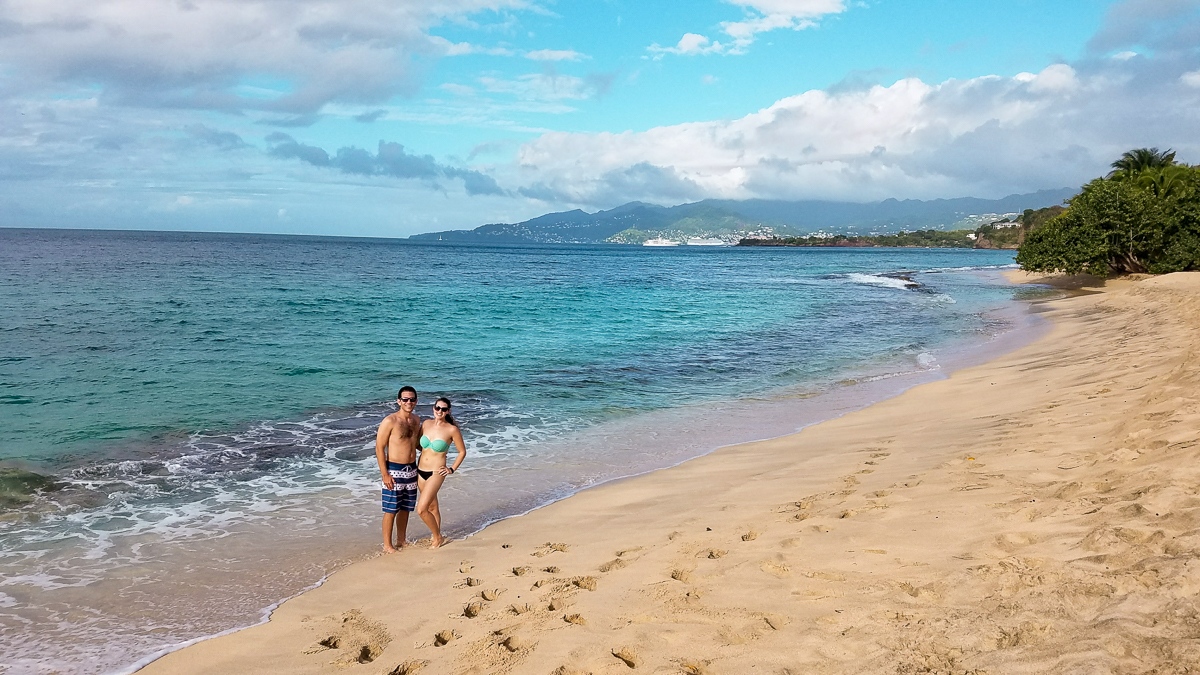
440	408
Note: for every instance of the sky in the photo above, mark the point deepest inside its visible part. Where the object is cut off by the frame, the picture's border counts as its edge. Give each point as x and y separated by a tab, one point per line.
393	117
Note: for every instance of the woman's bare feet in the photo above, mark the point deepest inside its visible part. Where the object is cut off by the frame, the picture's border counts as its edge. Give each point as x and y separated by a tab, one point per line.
436	541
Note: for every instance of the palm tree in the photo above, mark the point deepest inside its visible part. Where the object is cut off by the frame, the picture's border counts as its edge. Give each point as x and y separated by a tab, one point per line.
1136	161
1167	181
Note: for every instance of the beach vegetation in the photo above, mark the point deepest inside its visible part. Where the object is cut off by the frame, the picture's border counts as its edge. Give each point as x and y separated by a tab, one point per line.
1134	162
1144	216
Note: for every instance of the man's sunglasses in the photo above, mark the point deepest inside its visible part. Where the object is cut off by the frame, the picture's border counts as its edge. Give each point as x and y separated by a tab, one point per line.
440	408
408	399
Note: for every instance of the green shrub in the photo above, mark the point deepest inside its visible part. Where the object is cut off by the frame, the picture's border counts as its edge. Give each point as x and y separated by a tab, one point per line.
1143	221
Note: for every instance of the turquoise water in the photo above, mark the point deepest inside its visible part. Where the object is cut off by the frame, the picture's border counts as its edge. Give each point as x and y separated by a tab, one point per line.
178	387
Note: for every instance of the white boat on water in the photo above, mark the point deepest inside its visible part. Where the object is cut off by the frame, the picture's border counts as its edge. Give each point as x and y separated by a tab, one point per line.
659	242
705	242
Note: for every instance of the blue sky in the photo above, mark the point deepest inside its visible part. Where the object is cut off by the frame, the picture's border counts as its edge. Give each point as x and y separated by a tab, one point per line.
366	117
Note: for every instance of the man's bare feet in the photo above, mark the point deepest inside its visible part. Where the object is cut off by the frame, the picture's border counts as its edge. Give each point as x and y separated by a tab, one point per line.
388	548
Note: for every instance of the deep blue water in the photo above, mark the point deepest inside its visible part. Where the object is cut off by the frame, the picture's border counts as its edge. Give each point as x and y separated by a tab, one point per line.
177	386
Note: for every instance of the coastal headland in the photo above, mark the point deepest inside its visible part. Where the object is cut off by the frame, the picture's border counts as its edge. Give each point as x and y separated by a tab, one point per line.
1038	513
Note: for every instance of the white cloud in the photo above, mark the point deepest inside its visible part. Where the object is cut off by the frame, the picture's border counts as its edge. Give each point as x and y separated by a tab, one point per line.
761	16
1191	78
689	45
987	136
196	53
449	48
1058	77
555	55
540	87
1124	56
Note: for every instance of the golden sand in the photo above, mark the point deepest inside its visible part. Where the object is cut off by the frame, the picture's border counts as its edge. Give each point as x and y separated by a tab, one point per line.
1037	514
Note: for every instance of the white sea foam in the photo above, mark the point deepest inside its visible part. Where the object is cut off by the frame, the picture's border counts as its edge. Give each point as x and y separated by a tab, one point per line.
879	280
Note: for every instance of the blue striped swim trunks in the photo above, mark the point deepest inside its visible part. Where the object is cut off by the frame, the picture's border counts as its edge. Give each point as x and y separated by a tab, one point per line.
404	496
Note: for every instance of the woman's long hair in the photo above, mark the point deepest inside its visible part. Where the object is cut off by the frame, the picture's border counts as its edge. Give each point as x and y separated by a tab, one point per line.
449	417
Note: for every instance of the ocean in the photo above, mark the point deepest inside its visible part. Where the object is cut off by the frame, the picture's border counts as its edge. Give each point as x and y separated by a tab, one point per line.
187	420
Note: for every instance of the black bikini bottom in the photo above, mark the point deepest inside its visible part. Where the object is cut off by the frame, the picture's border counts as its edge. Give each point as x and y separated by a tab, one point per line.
425	475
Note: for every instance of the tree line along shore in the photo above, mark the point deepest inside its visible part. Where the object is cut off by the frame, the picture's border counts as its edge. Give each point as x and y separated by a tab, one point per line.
1143	217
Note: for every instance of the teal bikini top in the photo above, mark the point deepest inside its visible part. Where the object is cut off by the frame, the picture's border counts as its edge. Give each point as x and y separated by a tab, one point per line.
436	445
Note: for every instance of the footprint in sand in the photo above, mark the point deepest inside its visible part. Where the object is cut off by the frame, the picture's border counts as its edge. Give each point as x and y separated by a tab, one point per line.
520	571
521	608
445	637
408	668
514	643
472	609
712	553
586	583
776	568
750	536
575	619
624	552
614	564
360	640
628	656
694	668
551	570
491	593
469	581
680	574
559	603
548	548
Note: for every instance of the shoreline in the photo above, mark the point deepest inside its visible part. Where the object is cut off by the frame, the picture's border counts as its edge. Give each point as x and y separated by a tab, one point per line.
250	572
842	398
1016	564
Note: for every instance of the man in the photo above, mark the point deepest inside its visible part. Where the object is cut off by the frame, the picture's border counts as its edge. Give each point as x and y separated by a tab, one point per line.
396	451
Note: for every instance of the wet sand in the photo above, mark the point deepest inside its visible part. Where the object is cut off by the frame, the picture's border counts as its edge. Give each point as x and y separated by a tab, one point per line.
1038	513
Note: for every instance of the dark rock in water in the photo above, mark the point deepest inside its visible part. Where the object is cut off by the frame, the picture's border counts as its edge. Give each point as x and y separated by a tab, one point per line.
17	487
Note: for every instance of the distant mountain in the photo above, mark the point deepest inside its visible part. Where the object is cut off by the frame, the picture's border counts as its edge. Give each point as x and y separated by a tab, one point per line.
579	227
635	222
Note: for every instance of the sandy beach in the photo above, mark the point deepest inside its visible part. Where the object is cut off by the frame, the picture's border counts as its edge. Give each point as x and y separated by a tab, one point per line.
1039	513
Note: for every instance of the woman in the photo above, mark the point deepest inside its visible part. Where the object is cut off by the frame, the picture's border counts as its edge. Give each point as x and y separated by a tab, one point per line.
436	436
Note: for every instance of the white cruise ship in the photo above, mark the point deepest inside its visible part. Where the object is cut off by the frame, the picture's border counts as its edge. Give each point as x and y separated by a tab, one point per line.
659	242
705	242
